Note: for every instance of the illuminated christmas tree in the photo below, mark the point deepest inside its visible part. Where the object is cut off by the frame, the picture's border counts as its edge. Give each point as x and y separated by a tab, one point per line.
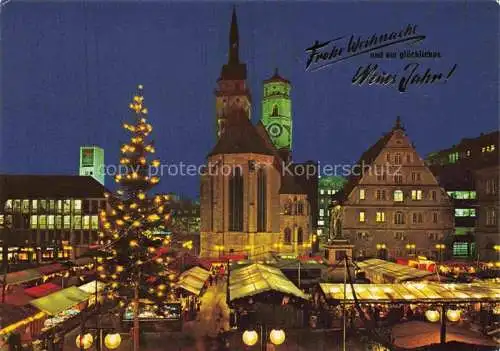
131	259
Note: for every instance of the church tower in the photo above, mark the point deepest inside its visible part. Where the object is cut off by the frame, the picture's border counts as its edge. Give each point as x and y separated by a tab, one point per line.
277	111
232	91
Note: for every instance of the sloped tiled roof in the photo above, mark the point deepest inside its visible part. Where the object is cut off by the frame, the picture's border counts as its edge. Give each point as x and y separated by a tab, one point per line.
50	186
366	159
240	136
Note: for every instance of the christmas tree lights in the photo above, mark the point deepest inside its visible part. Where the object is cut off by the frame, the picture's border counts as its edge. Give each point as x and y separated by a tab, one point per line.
132	266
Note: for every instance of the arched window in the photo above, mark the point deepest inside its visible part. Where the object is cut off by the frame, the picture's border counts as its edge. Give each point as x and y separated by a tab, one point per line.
275	110
236	201
288	236
300	208
300	236
261	201
399	218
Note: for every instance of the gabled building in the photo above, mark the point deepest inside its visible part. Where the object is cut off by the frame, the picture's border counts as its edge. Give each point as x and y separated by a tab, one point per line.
252	202
394	207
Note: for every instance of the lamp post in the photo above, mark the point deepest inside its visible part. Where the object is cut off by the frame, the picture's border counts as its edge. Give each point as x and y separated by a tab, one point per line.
251	337
411	249
440	248
497	250
380	249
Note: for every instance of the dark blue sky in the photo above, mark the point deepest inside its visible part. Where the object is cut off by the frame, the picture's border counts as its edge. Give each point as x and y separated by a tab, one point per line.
69	71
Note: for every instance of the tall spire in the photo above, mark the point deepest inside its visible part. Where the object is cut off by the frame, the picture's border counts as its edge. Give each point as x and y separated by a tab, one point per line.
398	124
234	41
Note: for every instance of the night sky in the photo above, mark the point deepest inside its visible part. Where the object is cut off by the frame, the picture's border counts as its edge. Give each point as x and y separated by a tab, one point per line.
69	71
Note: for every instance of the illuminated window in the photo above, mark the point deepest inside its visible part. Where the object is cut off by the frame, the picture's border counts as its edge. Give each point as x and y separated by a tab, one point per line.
321	212
416	194
1	221
399	218
8	205
398	196
465	212
77	222
329	192
26	206
94	224
86	222
362	194
34	206
362	216
453	157
34	222
321	191
77	206
460	249
59	206
321	222
42	222
66	206
67	222
380	217
50	222
17	205
492	147
58	222
468	153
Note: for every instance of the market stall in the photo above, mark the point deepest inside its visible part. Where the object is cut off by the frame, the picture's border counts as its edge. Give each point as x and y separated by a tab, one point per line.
92	288
61	305
191	284
381	272
42	290
263	294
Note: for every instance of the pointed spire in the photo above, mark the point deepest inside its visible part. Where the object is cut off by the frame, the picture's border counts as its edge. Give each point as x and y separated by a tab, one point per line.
234	41
398	124
276	73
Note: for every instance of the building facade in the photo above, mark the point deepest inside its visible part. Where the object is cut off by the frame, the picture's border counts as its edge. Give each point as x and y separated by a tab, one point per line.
394	207
487	227
249	205
460	171
328	186
92	163
46	218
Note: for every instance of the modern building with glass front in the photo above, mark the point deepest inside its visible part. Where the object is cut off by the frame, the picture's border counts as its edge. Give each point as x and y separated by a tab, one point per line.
46	217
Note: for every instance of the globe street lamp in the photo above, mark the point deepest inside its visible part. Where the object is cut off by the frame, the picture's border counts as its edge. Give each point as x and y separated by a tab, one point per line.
380	250
276	336
411	249
111	341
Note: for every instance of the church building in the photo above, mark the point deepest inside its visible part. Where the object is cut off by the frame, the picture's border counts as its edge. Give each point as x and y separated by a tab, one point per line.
250	203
